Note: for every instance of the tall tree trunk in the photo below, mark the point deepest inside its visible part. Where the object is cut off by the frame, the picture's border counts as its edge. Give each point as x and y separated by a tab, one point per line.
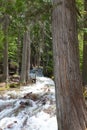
71	110
84	69
18	51
5	55
24	59
28	58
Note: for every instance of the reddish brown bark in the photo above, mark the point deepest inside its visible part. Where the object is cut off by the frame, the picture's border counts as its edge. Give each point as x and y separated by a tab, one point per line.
71	110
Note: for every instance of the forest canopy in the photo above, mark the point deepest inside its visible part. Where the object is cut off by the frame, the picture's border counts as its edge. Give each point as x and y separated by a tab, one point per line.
34	16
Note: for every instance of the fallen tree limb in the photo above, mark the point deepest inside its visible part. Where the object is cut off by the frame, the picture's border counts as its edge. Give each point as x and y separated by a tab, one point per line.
9	112
4	104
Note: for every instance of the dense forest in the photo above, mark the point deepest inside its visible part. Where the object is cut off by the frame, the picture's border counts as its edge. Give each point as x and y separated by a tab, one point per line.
48	37
26	39
30	21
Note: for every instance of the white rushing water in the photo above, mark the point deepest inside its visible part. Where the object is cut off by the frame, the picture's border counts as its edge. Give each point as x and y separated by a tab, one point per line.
19	110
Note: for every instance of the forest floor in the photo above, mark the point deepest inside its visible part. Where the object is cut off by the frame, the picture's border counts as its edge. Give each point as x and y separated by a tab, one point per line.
29	107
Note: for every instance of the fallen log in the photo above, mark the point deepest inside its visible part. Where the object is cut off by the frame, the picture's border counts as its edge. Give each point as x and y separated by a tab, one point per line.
8	112
4	104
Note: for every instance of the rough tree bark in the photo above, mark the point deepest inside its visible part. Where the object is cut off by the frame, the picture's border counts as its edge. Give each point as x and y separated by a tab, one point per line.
28	58
25	59
18	51
71	110
84	69
5	55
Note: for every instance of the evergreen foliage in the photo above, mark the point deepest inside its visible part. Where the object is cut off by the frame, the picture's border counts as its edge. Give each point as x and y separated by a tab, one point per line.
37	14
